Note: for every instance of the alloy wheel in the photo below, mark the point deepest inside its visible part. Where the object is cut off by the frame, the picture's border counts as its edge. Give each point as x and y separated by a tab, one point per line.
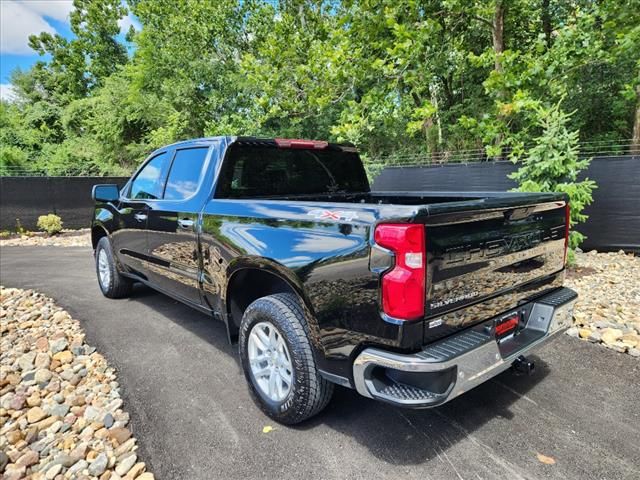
270	361
104	271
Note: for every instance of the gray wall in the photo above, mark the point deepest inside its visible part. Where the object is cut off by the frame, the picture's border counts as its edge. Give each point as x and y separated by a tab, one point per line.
27	198
614	215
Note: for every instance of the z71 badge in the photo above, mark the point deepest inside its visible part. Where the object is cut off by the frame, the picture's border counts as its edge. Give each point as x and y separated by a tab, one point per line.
320	214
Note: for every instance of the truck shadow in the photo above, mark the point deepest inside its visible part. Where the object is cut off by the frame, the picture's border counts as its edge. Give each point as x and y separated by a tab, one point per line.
205	327
394	435
407	437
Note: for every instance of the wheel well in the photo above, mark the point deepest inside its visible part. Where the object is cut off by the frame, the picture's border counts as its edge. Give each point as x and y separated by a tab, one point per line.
96	234
248	285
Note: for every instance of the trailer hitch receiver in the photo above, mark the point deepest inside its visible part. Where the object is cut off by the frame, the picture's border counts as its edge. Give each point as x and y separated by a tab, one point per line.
523	366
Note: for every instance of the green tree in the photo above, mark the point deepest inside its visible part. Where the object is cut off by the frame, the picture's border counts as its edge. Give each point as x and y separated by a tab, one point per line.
81	64
553	165
402	79
34	130
187	54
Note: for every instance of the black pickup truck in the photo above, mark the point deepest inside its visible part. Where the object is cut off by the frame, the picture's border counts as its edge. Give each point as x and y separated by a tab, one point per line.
411	298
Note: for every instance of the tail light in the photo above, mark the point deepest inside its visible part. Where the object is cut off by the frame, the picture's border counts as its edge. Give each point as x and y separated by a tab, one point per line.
567	224
403	287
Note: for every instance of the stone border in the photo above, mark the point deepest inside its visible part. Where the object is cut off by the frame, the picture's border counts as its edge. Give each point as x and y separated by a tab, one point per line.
66	238
60	406
608	308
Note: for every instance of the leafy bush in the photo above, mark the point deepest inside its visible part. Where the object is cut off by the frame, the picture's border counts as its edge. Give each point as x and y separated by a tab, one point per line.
553	165
52	224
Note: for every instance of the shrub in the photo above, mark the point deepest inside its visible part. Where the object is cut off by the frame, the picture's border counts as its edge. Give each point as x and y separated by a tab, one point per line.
20	230
553	165
51	223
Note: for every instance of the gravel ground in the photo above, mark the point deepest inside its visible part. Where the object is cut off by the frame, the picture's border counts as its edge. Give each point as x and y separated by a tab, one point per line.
60	406
66	238
608	309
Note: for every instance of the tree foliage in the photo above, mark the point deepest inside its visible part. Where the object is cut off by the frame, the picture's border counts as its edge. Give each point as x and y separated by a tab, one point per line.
399	78
553	165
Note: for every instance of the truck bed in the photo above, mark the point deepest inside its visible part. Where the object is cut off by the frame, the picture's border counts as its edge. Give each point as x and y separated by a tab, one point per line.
486	252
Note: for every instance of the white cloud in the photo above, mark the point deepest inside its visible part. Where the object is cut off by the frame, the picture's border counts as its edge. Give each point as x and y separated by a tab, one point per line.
7	92
21	19
129	21
56	9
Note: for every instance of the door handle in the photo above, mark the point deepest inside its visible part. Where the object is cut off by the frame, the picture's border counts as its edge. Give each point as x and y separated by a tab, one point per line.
141	217
185	223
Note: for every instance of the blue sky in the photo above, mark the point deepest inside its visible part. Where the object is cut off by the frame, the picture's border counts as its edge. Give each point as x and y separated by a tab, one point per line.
21	18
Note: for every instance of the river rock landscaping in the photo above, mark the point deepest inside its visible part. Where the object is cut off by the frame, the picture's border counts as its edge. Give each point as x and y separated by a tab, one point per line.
66	238
61	414
608	309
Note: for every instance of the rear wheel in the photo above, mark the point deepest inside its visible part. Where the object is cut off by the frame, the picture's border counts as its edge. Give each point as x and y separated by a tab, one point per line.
278	362
112	283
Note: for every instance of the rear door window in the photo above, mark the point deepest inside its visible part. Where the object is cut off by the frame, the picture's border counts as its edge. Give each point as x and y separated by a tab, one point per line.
149	182
185	173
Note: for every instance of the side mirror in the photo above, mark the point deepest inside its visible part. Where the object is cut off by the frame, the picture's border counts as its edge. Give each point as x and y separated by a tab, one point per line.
105	193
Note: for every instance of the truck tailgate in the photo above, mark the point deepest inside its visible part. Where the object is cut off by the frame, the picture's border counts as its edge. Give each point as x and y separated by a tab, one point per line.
484	261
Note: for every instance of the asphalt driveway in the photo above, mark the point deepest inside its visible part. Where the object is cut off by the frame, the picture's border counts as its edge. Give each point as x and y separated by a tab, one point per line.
193	416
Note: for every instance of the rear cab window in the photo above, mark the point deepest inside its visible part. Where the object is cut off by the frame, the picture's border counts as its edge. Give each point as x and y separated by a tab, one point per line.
264	171
185	174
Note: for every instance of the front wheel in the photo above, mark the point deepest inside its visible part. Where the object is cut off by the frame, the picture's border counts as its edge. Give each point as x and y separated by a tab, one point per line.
278	362
112	283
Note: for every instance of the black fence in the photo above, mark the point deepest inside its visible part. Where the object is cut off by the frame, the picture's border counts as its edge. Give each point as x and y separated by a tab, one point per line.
614	215
26	198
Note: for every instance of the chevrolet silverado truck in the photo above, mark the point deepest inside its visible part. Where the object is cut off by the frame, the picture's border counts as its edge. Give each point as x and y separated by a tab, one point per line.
411	298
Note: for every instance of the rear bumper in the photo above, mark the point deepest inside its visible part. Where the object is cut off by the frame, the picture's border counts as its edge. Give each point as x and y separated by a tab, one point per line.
446	369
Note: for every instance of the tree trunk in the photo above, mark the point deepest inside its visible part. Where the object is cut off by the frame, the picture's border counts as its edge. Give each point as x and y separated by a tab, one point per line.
498	49
498	33
546	22
635	139
434	100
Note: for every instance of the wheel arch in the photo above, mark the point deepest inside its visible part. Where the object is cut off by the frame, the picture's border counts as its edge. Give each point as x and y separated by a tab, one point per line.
97	232
250	280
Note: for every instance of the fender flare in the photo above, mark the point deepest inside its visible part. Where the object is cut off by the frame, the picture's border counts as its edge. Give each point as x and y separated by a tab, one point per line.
269	266
283	273
97	225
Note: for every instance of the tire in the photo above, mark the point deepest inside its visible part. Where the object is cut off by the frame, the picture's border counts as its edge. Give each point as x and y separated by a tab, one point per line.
113	284
309	393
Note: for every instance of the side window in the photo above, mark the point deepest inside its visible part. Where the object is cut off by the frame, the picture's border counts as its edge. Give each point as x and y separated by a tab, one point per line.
185	173
149	182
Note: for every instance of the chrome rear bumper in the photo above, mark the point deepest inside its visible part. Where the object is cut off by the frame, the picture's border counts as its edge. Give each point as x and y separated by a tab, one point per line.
450	367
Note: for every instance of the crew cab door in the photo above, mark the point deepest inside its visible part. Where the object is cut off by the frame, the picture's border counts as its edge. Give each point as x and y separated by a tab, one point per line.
130	237
174	253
